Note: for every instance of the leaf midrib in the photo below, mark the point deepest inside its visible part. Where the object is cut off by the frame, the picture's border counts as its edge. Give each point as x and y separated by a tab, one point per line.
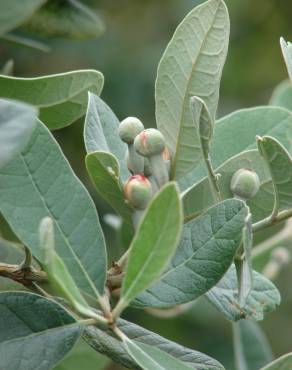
42	332
175	159
202	246
92	286
145	354
145	265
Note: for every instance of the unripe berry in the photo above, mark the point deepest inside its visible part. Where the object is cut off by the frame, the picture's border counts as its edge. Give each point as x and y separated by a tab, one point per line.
138	191
149	142
129	128
245	184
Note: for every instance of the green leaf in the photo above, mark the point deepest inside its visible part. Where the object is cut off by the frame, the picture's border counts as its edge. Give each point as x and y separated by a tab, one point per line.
206	251
236	133
191	66
28	42
109	345
282	95
251	347
35	332
65	18
263	298
280	165
25	41
11	252
154	243
246	273
101	132
104	171
57	272
38	183
62	98
287	54
199	196
151	358
83	357
203	123
282	363
13	15
17	122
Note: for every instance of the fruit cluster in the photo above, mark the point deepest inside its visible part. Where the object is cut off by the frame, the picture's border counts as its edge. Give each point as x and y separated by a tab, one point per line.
147	159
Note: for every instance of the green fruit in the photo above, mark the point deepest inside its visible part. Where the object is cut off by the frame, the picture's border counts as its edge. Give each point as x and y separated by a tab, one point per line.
245	184
138	191
129	128
149	142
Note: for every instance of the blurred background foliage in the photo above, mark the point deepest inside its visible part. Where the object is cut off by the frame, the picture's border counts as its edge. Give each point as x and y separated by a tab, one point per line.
127	53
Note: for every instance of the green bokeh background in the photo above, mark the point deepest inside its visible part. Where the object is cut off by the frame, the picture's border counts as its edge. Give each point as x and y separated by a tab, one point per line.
127	54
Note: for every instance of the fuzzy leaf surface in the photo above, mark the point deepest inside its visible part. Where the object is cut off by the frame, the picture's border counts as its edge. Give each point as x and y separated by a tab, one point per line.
263	298
236	133
39	182
106	344
61	98
17	122
35	332
251	348
287	54
103	169
101	132
282	95
191	65
152	358
154	243
206	251
280	165
198	197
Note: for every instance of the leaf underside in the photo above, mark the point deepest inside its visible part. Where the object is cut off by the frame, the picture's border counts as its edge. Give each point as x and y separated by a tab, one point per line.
198	198
191	66
244	125
106	344
17	122
61	98
101	132
252	350
263	298
38	183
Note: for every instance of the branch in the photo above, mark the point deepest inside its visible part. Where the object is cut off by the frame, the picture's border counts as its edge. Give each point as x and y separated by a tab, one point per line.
272	220
23	275
282	237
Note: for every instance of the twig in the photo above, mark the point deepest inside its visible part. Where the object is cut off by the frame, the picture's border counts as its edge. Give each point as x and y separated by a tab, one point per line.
23	275
272	220
278	239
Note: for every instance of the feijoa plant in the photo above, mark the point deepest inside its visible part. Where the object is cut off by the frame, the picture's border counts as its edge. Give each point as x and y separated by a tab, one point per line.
193	192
